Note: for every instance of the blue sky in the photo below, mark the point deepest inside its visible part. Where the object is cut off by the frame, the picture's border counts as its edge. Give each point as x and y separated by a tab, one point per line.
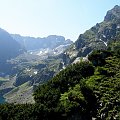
40	18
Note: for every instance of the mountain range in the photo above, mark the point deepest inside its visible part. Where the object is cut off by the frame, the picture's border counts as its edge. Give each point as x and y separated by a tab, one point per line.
32	43
48	46
82	82
32	70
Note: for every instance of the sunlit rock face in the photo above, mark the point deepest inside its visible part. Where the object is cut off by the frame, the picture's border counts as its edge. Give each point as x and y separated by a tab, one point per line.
97	37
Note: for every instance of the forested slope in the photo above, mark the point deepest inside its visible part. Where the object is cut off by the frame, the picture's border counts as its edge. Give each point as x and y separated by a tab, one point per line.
82	91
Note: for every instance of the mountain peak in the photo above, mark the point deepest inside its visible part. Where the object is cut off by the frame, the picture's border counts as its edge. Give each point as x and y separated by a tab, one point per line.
113	14
116	7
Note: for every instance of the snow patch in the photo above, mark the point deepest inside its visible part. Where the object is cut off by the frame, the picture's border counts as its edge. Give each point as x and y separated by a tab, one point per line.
63	65
104	36
35	72
27	69
103	42
118	26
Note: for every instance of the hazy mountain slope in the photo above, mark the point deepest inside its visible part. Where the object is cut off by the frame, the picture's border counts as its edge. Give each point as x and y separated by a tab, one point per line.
30	74
9	48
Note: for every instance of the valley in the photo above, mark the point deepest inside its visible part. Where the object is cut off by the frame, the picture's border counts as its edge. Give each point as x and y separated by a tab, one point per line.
32	67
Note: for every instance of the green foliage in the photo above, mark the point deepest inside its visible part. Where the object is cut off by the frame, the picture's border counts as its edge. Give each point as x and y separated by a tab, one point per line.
78	101
115	47
72	99
66	78
59	95
106	87
16	112
98	57
80	91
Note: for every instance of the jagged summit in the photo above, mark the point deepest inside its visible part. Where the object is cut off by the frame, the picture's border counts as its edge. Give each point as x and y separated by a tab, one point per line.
32	43
113	14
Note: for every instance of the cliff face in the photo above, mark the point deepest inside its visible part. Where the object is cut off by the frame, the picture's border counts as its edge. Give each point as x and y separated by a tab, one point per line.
97	37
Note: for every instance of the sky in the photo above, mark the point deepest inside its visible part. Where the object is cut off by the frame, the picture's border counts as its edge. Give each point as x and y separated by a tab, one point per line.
40	18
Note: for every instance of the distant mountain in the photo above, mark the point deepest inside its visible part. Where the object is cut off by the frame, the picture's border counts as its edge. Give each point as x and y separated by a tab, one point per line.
9	48
97	37
50	42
